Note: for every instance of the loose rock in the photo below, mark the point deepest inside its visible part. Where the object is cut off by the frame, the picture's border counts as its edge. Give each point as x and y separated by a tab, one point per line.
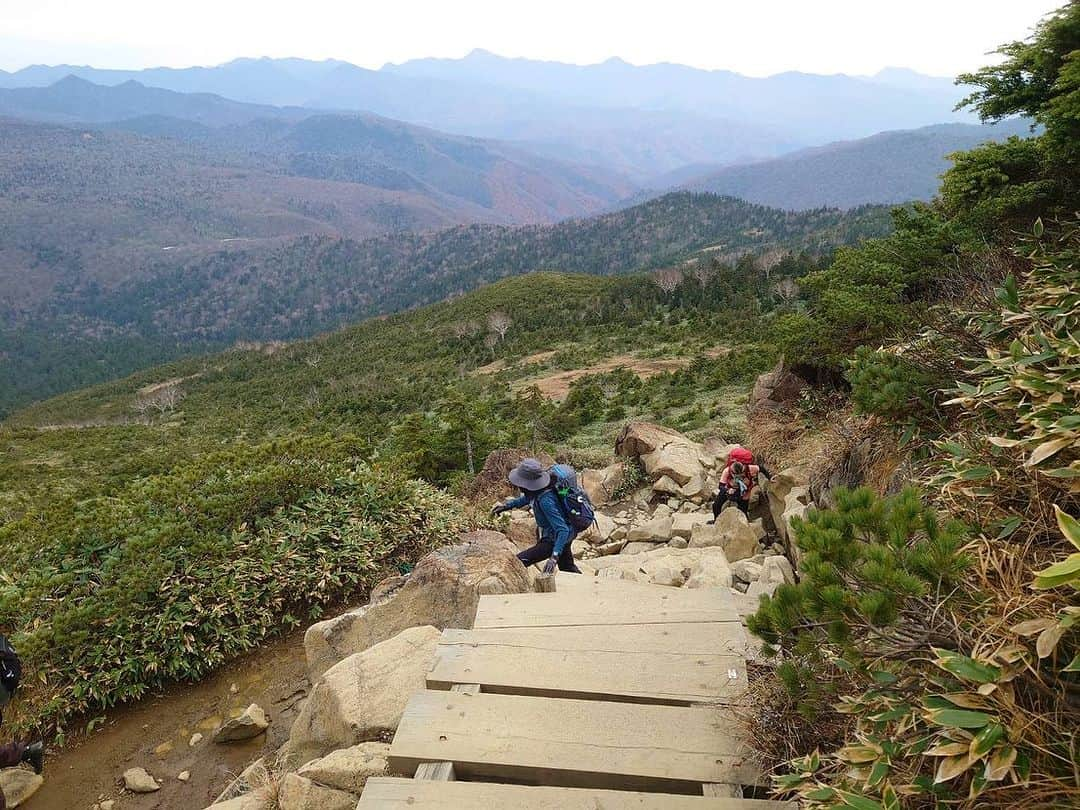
19	784
251	723
349	768
137	780
298	793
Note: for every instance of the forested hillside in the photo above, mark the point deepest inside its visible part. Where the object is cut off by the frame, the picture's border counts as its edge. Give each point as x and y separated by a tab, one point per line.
90	329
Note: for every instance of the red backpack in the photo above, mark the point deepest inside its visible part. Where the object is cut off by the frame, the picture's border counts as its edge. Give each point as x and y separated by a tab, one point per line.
740	454
747	458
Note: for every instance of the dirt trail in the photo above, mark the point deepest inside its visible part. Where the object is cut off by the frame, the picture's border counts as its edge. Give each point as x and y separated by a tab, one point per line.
154	734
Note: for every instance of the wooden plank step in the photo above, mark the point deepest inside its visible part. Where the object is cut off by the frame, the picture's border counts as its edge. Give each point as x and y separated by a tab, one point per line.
582	600
676	664
572	743
385	793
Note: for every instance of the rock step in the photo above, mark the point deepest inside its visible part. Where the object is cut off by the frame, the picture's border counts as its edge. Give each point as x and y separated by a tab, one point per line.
387	793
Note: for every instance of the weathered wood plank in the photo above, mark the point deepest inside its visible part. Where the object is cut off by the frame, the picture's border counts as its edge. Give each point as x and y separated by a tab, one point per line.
384	793
654	663
435	772
590	601
571	743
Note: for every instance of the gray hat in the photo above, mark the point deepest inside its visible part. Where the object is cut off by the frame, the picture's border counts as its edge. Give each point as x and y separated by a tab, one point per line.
530	474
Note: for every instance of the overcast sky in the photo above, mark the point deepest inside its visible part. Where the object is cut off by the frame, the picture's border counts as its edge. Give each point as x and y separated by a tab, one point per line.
755	37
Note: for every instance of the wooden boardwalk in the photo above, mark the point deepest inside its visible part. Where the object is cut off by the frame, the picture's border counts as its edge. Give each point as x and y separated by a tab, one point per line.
604	694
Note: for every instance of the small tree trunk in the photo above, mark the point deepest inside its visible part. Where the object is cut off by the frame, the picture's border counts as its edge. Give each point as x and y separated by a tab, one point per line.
469	452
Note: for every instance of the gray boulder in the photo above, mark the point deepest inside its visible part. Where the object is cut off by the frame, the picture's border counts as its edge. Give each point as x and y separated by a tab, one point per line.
362	698
442	591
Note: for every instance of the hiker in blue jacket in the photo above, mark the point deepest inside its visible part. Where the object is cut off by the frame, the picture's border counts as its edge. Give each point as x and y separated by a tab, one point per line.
556	533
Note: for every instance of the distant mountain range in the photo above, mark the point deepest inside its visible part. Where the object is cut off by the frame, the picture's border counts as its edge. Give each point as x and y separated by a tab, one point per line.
157	172
890	167
643	121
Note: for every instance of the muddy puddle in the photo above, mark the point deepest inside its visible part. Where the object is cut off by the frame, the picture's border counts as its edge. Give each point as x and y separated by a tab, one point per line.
155	734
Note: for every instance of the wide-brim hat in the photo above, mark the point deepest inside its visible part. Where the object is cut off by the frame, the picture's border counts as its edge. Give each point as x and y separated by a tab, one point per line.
530	474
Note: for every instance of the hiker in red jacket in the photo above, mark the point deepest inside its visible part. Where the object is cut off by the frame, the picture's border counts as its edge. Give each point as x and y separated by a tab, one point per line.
737	481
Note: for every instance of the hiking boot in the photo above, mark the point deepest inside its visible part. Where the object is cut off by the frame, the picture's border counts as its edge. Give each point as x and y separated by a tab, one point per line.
35	755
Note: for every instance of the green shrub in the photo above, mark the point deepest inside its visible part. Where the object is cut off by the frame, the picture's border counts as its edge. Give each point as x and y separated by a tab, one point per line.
889	385
178	573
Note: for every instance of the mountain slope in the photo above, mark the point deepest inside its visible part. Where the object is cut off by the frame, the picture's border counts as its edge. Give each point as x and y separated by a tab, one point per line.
93	206
891	167
85	332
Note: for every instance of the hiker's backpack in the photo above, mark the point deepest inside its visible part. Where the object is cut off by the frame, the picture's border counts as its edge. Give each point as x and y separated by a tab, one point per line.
740	454
575	503
742	485
10	668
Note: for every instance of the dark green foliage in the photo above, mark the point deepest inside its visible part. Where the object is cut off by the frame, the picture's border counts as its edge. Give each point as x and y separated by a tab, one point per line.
864	565
869	292
174	574
890	385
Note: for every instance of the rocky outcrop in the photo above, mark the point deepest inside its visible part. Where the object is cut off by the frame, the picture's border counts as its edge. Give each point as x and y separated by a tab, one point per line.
666	566
251	723
299	793
640	438
602	485
362	698
657	530
350	768
782	483
731	532
775	571
442	591
776	388
19	784
672	462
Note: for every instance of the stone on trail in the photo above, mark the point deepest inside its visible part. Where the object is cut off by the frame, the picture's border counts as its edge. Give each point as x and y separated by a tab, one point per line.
611	548
683	524
666	486
349	768
137	780
363	697
251	723
442	591
600	532
679	542
732	532
299	793
183	776
19	784
746	570
657	530
601	485
196	738
711	570
667	576
637	548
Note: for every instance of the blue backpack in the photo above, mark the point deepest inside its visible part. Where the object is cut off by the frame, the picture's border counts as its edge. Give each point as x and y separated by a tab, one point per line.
575	504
